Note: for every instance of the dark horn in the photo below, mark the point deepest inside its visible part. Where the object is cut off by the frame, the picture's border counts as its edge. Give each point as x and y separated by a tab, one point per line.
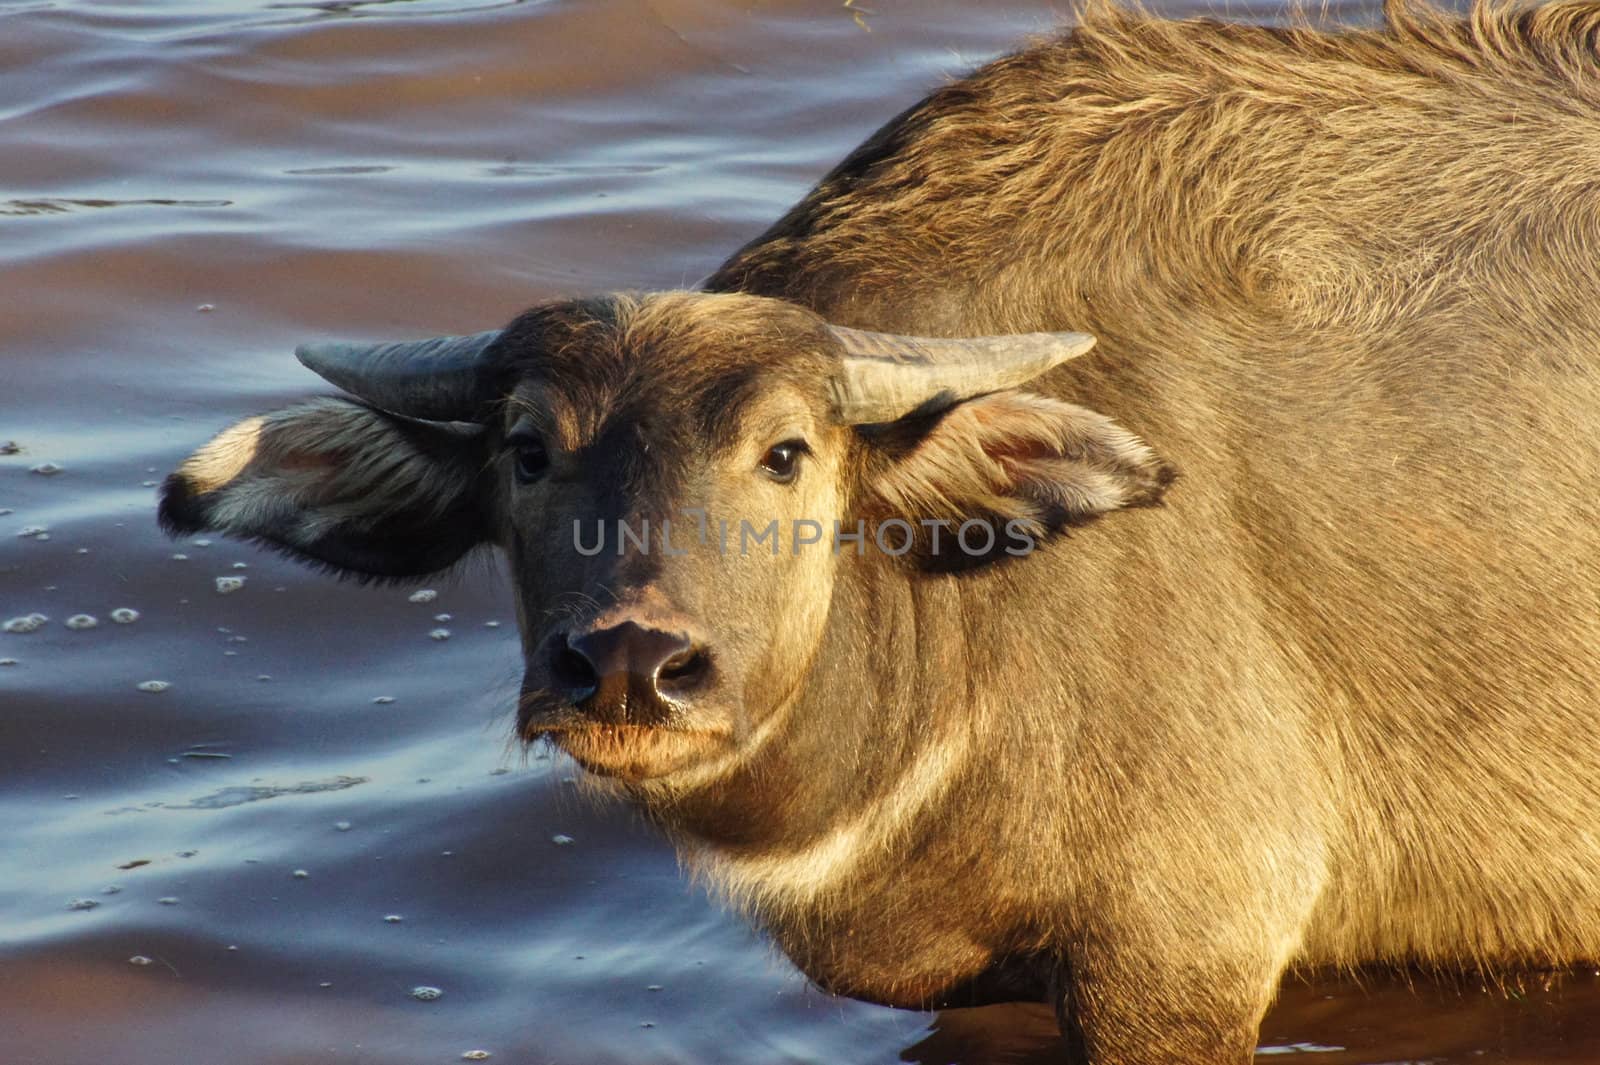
885	376
437	380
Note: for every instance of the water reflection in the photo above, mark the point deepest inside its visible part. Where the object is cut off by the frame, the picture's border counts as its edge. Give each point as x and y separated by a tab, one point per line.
1374	1018
62	206
1022	1034
239	795
381	8
1377	1017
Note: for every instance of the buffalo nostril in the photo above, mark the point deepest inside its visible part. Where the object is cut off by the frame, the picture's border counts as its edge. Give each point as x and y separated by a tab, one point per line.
683	671
570	668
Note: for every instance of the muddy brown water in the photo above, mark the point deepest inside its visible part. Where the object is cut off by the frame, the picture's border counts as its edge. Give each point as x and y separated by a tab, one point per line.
188	188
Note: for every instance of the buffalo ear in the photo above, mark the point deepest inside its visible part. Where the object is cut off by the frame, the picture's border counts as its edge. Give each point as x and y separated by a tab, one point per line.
1026	464
336	483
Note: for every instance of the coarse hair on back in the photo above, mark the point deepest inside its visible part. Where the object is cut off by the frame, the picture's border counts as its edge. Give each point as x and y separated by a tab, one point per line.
1301	176
1558	38
1350	175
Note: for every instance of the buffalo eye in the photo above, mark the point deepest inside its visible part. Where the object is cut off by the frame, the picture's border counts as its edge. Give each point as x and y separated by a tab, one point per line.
529	457
781	463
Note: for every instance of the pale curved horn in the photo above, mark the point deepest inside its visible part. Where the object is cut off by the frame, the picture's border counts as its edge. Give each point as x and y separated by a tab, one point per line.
884	376
437	380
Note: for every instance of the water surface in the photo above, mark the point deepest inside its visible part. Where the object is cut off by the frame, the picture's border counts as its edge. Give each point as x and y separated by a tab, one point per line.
189	188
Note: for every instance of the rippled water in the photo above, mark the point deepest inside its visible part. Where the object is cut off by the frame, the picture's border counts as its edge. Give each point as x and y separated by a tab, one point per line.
322	811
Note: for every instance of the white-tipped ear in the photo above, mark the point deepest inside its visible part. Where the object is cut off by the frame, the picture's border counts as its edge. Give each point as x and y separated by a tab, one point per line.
340	484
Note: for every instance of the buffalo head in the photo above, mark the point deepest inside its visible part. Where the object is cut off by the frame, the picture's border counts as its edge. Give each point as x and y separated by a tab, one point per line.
678	481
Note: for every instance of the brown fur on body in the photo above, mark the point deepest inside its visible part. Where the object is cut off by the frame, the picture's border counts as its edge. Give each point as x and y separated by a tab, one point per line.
1329	699
1336	702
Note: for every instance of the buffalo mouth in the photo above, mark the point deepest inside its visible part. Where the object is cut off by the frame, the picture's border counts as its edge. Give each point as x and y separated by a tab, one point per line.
634	752
628	751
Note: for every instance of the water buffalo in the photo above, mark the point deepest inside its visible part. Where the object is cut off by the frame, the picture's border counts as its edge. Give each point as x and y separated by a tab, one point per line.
1275	640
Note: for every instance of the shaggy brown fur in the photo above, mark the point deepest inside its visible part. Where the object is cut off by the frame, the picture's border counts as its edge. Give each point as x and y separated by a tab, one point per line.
1332	703
1348	284
1273	178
